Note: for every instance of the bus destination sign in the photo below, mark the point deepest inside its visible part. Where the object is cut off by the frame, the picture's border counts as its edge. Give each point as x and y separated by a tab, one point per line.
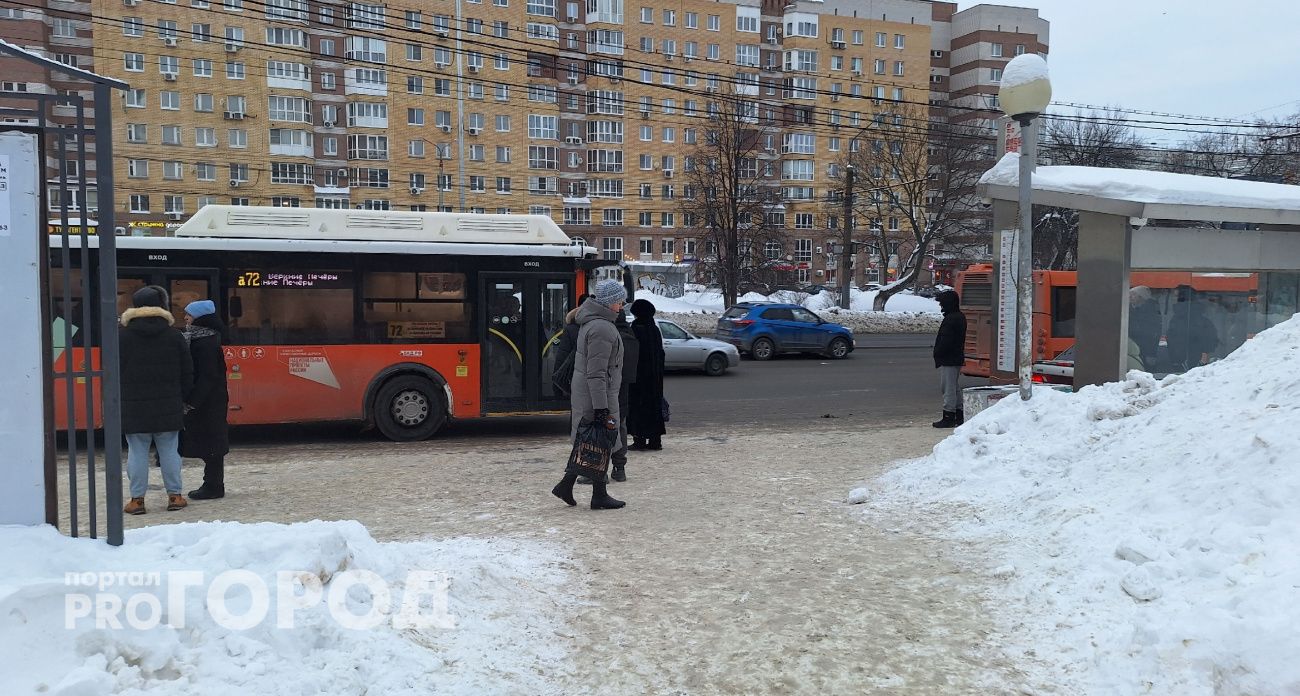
292	279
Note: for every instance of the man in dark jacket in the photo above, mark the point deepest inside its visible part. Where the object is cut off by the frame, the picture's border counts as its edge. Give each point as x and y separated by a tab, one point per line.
205	435
157	375
949	355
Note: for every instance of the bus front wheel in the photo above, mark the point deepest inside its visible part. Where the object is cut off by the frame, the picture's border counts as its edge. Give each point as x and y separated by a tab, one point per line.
409	408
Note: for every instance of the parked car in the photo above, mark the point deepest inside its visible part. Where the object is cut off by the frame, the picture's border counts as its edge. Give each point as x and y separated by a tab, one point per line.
686	351
1058	370
764	329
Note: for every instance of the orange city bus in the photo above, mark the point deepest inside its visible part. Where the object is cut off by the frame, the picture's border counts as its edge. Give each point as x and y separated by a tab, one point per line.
1054	307
402	320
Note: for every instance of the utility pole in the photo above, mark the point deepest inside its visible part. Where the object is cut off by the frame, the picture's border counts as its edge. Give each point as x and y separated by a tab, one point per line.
846	253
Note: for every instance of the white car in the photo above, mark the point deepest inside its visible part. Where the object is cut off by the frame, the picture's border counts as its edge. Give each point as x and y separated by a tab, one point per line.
685	351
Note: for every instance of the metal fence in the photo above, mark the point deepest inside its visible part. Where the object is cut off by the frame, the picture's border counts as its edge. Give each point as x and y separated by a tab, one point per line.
79	293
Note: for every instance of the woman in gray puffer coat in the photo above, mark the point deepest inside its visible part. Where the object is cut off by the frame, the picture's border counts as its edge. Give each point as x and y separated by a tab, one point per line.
597	377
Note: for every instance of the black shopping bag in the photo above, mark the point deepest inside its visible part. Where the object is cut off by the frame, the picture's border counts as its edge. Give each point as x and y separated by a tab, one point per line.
591	449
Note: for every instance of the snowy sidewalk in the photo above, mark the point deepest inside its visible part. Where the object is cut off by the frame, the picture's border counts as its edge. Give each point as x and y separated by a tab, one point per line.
737	566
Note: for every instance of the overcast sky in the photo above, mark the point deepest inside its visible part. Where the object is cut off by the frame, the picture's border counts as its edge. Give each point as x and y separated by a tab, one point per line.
1227	58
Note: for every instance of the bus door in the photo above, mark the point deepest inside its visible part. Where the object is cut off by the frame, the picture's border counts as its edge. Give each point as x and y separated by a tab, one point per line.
520	321
183	285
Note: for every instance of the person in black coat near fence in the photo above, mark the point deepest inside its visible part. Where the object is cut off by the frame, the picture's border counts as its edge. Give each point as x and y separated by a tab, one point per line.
157	375
206	431
631	353
949	356
645	421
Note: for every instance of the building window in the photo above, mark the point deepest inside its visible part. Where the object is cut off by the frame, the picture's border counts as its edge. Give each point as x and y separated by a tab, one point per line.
612	247
139	203
503	184
997	50
995	74
900	41
202	67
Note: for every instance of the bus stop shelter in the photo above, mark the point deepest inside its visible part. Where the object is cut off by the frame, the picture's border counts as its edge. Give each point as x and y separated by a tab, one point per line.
1135	219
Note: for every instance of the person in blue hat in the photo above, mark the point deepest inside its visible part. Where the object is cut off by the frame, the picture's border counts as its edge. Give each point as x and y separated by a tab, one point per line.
206	431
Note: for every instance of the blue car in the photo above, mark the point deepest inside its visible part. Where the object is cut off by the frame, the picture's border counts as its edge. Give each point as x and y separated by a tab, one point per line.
764	329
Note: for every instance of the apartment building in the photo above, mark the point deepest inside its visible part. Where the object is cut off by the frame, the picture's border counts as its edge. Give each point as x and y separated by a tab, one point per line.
587	112
60	31
970	50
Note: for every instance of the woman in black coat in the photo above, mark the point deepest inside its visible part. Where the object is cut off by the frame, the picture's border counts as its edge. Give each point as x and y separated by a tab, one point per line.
645	421
205	435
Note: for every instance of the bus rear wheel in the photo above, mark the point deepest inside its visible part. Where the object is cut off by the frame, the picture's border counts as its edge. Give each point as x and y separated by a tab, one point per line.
409	408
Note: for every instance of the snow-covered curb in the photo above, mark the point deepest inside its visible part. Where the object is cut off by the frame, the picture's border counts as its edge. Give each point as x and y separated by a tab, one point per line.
504	597
1145	531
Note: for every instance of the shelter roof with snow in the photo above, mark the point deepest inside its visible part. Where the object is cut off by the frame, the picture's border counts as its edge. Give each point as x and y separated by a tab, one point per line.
1146	194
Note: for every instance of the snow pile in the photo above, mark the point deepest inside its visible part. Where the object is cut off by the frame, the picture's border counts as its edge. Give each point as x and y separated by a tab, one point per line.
905	312
502	598
1149	528
861	322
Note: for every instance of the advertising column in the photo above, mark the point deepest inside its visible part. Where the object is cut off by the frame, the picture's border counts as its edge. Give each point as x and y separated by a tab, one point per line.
22	430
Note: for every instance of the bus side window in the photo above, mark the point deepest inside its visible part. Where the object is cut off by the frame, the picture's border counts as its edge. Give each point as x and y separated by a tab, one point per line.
400	307
1063	311
293	311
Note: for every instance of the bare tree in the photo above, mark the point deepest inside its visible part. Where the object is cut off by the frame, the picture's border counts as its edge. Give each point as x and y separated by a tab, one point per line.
1266	152
914	186
730	193
1093	139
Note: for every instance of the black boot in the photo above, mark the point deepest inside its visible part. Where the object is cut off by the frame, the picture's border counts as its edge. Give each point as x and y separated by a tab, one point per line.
654	444
620	473
638	443
961	416
600	500
564	489
949	420
214	480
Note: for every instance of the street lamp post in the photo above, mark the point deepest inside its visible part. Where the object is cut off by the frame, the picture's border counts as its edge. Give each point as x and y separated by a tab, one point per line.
1024	93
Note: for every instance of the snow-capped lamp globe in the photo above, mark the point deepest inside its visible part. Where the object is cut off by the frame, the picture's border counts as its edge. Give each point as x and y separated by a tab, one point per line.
1025	90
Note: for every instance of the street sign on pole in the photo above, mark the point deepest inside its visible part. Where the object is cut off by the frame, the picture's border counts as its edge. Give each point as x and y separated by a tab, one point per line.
1008	257
1009	139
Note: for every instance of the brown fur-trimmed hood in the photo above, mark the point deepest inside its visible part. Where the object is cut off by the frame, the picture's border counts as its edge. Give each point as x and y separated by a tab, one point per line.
142	312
